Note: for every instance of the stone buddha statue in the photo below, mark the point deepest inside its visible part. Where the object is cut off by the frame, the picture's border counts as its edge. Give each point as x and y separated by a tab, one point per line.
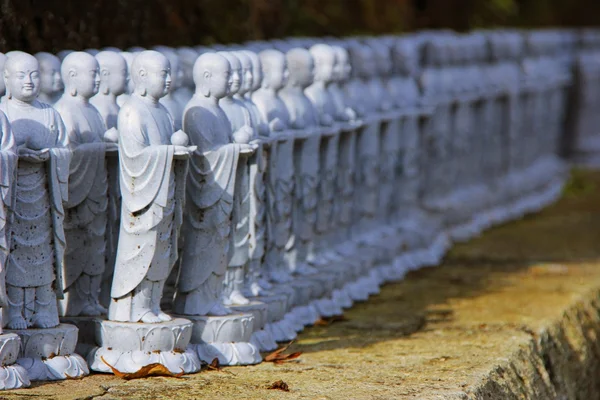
35	272
153	162
280	171
122	98
113	83
187	58
51	84
86	208
210	190
239	117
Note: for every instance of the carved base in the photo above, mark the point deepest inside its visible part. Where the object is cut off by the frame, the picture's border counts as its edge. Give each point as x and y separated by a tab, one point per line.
262	339
12	376
86	339
278	328
227	338
282	330
129	346
49	354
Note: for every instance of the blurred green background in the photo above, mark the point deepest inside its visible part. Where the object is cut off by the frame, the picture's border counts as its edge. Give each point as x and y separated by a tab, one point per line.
53	25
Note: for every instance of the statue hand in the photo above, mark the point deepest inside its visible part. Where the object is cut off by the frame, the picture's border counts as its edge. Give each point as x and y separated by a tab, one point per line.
111	135
183	152
276	125
247	149
243	135
351	114
326	120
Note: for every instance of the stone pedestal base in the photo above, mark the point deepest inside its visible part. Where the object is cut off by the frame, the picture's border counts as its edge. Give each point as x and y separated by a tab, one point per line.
129	346
280	327
86	339
49	354
261	338
12	376
227	338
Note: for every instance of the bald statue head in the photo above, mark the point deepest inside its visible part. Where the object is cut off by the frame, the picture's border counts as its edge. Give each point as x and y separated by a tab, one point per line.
50	80
151	74
236	72
176	71
342	69
301	67
212	75
247	72
274	68
22	77
187	57
81	74
324	57
257	75
113	73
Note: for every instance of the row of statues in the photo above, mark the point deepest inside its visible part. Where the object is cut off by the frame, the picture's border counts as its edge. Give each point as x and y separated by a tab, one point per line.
180	205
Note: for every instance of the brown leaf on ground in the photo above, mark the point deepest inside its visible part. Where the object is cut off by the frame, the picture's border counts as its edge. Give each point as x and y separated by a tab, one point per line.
278	358
279	385
215	365
330	320
155	369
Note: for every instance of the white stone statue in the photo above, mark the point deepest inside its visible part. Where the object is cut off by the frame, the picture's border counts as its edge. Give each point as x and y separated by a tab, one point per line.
121	99
218	332
242	125
51	84
153	162
152	197
86	207
2	86
35	272
11	376
113	83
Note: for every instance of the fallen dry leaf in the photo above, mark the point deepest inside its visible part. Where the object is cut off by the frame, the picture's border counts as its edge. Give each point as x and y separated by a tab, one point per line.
330	320
278	358
279	385
216	366
146	371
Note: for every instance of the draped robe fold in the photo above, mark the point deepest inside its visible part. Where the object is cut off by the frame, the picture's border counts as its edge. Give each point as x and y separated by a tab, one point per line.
86	218
152	189
38	243
207	223
8	179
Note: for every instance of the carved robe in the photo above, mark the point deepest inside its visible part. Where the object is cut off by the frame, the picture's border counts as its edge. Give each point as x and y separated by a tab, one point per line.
85	211
8	180
37	251
152	188
207	222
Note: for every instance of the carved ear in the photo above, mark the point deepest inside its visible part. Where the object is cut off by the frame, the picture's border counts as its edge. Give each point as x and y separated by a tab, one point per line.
72	72
142	72
105	72
73	92
144	92
206	74
105	90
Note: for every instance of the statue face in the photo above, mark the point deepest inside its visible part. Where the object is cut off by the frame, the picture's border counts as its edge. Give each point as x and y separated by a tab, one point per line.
50	79
156	77
118	79
220	81
306	73
278	73
246	84
86	78
23	80
236	78
324	70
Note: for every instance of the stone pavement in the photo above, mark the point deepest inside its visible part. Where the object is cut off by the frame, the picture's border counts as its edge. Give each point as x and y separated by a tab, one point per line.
514	314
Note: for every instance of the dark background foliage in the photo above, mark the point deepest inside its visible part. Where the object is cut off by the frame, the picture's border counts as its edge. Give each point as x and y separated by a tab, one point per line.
52	25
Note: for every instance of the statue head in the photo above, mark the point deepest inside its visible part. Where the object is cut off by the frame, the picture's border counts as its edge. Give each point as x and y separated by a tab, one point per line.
50	79
176	72
113	73
301	67
236	72
361	59
2	62
343	70
187	58
405	58
324	57
111	48
212	75
382	57
257	75
247	72
274	69
151	74
92	52
81	74
22	77
63	53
